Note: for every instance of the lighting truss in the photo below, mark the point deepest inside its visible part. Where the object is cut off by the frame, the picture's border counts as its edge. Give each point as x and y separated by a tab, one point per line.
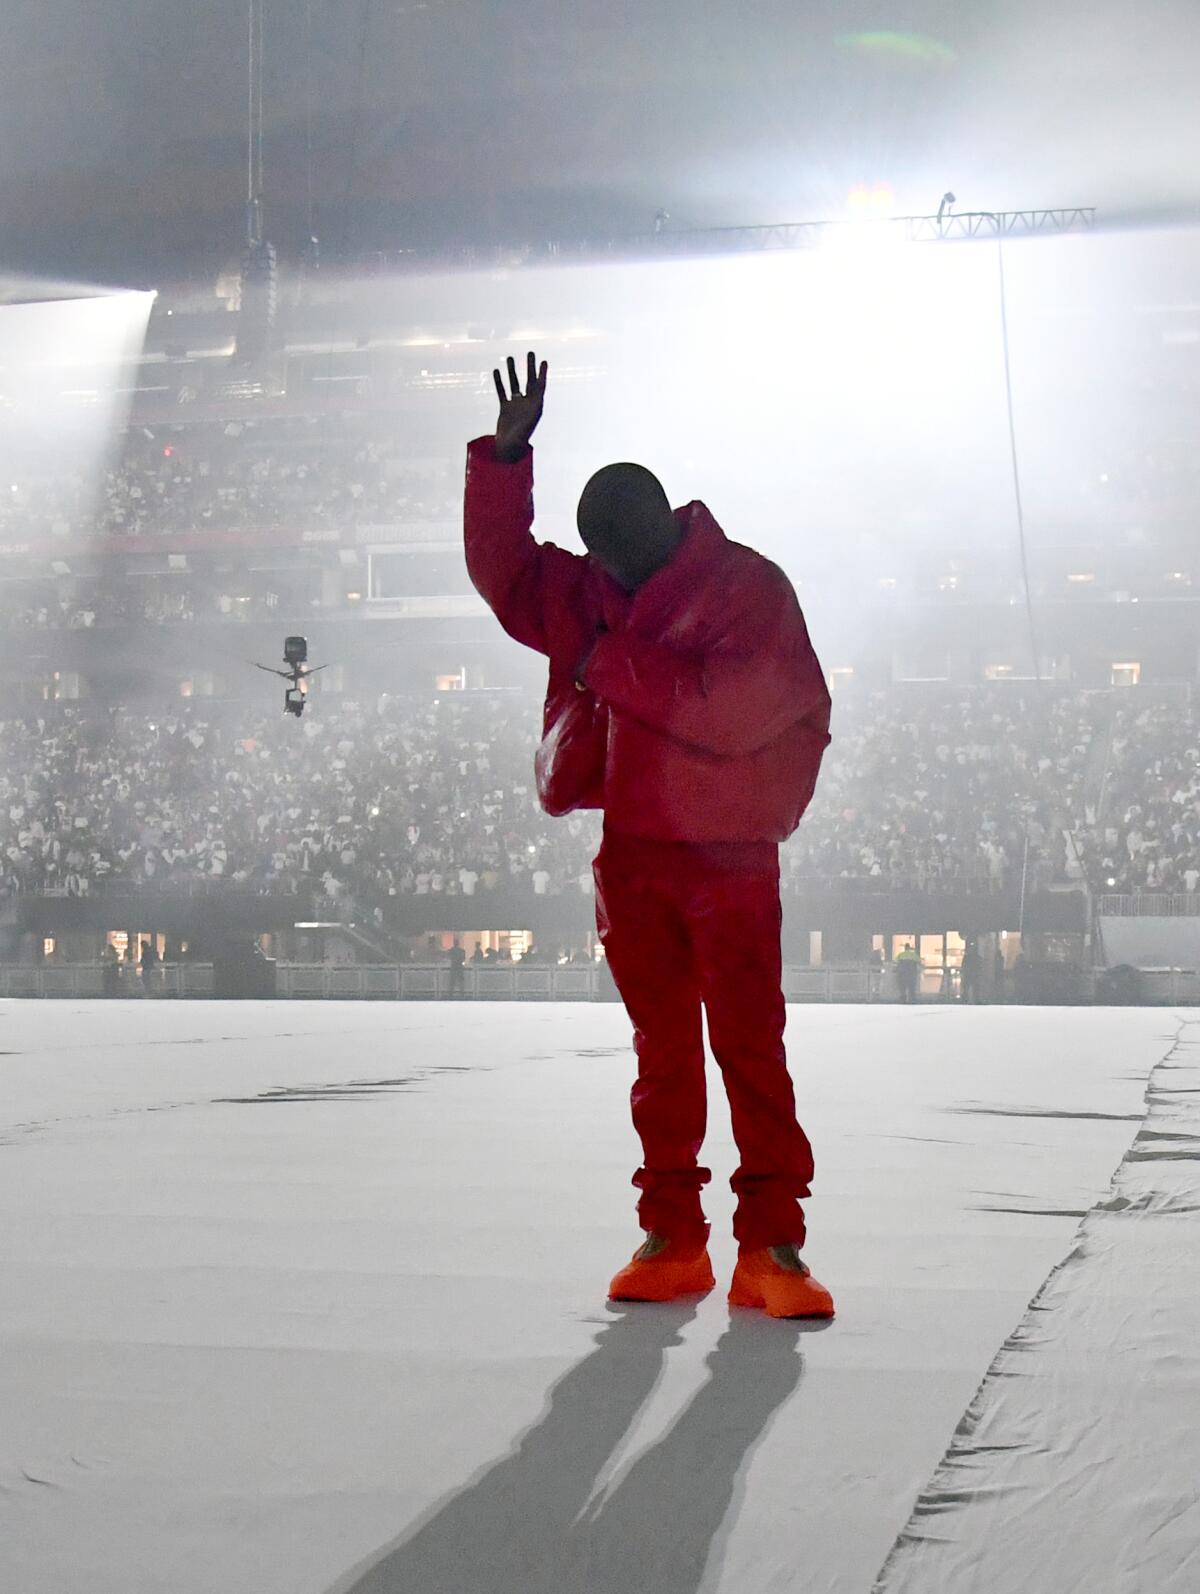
950	227
809	234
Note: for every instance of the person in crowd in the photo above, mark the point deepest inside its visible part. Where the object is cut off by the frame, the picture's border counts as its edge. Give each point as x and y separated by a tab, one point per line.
457	958
149	966
970	973
946	985
908	972
685	699
1022	976
110	970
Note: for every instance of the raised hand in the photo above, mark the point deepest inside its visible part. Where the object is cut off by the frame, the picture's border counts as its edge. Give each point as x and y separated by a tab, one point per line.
519	412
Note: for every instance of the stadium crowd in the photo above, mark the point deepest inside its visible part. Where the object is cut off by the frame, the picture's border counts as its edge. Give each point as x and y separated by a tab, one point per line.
309	474
308	477
170	600
379	800
1147	837
406	795
934	790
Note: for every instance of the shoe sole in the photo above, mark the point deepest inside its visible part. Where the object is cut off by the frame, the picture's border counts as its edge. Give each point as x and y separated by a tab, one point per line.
756	1299
665	1295
665	1289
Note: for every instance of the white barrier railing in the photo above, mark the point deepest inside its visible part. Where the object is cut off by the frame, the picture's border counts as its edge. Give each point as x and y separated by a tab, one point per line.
404	982
1150	904
88	979
431	982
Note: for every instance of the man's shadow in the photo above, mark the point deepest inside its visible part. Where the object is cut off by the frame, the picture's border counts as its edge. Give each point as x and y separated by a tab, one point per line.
526	1526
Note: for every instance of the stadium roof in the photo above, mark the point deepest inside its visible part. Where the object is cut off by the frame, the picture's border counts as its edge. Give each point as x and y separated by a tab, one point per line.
441	121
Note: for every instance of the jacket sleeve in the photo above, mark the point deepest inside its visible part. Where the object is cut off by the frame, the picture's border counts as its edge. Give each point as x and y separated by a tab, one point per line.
757	676
510	570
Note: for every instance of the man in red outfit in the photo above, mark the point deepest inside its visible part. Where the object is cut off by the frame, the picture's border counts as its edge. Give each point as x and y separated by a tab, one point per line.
684	699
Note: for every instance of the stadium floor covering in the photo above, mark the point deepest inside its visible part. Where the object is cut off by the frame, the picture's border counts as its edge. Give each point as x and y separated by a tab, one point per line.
310	1297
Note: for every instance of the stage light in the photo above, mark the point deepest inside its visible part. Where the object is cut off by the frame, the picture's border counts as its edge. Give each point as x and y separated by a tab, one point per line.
868	231
61	349
870	202
858	254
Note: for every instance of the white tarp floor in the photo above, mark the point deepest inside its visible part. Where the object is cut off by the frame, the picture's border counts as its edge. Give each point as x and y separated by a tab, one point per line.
310	1297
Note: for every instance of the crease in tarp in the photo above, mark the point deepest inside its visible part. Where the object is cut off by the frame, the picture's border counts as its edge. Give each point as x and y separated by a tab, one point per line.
1061	1438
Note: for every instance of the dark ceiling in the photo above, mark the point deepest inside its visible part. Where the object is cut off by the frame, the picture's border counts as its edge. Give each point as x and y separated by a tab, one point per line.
427	122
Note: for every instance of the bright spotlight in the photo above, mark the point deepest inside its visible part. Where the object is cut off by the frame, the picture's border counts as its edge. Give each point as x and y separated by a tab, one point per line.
867	202
867	229
71	357
860	239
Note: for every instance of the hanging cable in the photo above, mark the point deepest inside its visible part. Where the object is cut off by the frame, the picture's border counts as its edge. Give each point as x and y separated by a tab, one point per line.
1020	511
254	121
356	133
1016	467
259	278
249	105
311	244
261	97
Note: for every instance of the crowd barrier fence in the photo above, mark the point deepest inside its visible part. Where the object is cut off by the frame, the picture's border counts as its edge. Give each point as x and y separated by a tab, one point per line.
432	982
409	982
1150	904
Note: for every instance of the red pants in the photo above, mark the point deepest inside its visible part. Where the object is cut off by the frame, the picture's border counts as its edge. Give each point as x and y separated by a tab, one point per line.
683	927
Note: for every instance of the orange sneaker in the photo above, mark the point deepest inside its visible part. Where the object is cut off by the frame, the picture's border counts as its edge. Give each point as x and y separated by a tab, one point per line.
759	1280
678	1268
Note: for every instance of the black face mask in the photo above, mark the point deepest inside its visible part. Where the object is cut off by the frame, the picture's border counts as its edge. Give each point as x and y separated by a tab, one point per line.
630	565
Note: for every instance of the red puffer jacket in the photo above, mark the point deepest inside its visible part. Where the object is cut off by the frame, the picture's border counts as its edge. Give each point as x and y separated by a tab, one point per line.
706	713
